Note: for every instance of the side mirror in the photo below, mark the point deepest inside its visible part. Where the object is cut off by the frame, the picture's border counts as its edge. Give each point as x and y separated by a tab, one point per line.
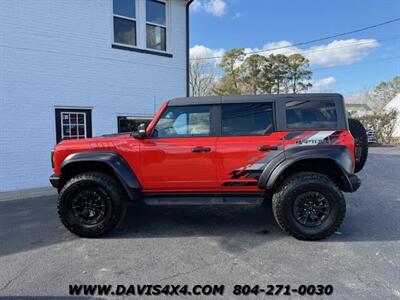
141	131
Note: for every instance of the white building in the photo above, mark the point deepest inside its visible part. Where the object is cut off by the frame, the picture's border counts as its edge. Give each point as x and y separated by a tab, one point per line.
395	104
97	66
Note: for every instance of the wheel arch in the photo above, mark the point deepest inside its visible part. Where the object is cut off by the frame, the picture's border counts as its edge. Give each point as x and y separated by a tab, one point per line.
107	162
333	161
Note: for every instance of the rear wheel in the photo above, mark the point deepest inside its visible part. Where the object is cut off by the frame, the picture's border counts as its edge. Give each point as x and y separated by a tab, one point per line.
309	206
91	204
361	143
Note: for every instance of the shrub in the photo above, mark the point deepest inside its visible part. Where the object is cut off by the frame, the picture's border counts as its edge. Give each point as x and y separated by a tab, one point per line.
383	122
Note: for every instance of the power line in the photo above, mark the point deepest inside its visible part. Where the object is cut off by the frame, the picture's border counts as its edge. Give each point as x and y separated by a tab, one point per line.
354	64
350	45
311	41
342	47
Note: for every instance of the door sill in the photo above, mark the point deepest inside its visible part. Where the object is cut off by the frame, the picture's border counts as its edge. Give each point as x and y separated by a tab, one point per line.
204	198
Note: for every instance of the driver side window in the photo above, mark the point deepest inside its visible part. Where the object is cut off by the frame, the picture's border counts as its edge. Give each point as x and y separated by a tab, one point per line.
184	121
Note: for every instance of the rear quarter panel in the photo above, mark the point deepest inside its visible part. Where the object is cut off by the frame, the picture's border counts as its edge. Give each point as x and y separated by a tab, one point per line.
320	137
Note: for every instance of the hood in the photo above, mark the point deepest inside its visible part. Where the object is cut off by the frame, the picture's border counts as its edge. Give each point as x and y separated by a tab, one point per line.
99	142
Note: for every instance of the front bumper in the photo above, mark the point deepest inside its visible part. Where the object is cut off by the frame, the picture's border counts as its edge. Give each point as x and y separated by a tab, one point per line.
54	179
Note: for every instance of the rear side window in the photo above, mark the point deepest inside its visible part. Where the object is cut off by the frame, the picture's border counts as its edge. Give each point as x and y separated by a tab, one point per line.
311	114
247	119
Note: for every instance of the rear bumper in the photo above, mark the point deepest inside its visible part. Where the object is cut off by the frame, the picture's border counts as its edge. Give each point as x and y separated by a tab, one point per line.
355	182
351	182
54	179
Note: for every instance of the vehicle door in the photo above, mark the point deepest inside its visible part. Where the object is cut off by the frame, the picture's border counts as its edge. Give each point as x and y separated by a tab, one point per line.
180	154
247	143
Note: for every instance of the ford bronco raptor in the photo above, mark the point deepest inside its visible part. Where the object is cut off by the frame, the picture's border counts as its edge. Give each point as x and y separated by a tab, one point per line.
298	151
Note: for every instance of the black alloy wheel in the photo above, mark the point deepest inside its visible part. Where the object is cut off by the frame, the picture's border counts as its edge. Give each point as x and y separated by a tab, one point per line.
311	208
89	206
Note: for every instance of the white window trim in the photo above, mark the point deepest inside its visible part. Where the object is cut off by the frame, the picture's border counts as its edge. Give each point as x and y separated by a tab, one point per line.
156	24
69	125
160	25
140	19
126	18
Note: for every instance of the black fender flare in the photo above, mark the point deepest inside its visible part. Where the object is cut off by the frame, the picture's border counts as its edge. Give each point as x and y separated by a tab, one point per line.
340	155
116	162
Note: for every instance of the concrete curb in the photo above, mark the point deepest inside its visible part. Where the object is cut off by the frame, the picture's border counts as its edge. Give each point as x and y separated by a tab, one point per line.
28	193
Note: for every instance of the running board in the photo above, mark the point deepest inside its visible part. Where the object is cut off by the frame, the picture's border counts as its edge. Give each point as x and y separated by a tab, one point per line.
203	200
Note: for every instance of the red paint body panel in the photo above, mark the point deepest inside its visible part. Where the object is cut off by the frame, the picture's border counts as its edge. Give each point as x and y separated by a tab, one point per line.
234	153
169	164
120	144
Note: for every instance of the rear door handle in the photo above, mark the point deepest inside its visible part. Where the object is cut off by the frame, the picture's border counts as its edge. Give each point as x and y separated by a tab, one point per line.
267	148
201	149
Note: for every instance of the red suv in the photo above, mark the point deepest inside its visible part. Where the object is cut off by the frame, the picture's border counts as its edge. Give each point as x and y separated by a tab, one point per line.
294	150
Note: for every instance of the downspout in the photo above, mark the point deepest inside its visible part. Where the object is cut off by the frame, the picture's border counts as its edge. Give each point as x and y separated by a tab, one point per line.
187	48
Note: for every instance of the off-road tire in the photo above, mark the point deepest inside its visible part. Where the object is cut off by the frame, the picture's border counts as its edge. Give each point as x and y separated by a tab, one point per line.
298	184
360	136
115	203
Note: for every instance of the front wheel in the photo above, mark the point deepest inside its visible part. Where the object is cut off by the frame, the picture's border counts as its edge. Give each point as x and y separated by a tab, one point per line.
309	206
91	204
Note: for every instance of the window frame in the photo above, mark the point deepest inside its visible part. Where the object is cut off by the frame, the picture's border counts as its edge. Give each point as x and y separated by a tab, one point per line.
129	19
141	30
157	25
279	109
59	125
273	129
69	113
214	123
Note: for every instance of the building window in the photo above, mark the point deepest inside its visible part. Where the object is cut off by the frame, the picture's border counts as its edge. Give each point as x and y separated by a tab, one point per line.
130	123
156	29
73	124
124	17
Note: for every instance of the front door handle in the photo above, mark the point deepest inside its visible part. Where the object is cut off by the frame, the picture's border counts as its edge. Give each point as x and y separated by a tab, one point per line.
267	148
201	149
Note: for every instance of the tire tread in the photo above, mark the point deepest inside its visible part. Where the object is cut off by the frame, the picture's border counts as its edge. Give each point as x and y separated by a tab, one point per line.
295	181
111	186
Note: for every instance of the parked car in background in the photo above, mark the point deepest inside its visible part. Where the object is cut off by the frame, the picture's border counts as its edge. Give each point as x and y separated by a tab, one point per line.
371	136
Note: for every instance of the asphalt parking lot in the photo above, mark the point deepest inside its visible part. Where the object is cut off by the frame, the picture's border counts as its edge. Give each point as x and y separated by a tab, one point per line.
210	245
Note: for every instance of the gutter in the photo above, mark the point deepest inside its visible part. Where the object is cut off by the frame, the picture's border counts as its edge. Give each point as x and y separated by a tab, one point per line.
187	48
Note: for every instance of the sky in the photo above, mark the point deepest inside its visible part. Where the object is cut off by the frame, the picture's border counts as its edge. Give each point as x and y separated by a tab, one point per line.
348	64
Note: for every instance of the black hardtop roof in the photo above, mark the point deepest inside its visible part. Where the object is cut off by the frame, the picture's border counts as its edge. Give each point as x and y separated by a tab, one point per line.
252	98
